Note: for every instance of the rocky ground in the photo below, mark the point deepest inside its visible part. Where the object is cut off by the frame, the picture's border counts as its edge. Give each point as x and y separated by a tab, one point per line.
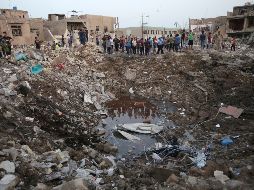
48	121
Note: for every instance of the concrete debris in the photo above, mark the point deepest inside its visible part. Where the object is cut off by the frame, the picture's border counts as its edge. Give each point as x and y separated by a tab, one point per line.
8	166
220	176
72	185
130	74
156	157
141	128
129	136
8	182
230	110
200	159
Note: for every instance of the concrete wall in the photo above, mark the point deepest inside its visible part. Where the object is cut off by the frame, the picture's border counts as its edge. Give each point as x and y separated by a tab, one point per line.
56	27
15	14
102	21
36	28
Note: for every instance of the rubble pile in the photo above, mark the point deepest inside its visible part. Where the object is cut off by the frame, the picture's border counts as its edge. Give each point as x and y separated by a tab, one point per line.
52	101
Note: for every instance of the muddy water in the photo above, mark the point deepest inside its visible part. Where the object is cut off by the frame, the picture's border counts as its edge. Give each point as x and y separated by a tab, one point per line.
126	110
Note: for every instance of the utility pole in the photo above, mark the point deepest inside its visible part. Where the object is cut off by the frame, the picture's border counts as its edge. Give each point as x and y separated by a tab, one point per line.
142	26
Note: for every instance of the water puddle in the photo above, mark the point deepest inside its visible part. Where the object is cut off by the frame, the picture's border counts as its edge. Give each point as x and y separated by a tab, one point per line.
125	111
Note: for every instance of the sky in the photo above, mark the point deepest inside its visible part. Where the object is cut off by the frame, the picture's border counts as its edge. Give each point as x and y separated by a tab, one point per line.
160	13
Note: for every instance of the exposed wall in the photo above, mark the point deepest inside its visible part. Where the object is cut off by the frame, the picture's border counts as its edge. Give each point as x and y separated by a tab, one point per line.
15	14
56	27
101	23
241	22
36	28
16	24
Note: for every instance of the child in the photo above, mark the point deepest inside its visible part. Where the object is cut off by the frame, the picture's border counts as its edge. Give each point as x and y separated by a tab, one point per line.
233	43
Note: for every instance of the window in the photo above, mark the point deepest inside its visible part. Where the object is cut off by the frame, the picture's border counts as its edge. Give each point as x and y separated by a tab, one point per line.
161	32
166	32
156	32
152	31
97	28
16	30
147	31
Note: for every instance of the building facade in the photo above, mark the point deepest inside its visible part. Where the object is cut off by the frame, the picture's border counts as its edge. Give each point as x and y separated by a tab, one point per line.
16	24
148	31
241	21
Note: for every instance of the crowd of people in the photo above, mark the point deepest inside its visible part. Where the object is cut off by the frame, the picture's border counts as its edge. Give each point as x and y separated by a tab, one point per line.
173	42
133	45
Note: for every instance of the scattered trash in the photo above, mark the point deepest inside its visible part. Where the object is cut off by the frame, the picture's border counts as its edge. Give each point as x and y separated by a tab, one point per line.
158	146
200	159
220	176
230	110
156	157
21	56
167	150
60	66
30	119
144	128
36	69
131	91
9	181
218	125
226	141
88	99
110	171
7	71
8	166
129	136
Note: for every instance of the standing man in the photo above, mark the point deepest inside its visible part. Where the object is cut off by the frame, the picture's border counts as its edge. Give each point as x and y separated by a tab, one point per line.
218	38
116	42
183	39
134	45
202	39
63	42
209	40
82	37
177	42
160	45
37	43
142	47
233	43
190	38
108	45
70	40
7	44
97	41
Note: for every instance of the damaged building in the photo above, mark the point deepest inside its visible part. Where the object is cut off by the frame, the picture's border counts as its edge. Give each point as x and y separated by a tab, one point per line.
209	25
16	24
23	29
240	22
58	25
